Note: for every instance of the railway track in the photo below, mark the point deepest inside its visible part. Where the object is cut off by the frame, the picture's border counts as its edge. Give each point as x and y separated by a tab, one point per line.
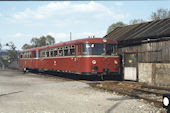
150	94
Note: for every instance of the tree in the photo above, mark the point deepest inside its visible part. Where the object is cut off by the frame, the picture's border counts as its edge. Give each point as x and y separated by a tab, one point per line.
27	46
114	26
0	46
35	42
136	21
50	40
12	50
38	42
160	14
42	41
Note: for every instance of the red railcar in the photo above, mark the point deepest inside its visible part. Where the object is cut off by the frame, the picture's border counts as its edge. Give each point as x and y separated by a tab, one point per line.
86	56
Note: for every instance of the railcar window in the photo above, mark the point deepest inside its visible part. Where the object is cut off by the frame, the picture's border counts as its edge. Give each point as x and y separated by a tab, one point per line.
111	49
24	55
55	53
72	52
21	55
66	52
51	53
34	54
61	52
47	54
97	49
29	55
43	54
86	49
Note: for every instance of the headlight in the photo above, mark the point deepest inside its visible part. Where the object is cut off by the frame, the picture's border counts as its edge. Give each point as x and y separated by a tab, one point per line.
93	61
165	101
116	62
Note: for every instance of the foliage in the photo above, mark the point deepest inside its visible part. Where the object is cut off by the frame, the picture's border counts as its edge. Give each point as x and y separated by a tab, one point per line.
12	50
114	26
136	21
27	46
0	46
5	62
160	14
38	42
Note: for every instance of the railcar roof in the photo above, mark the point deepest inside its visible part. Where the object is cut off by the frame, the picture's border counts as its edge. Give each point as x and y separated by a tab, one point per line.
86	40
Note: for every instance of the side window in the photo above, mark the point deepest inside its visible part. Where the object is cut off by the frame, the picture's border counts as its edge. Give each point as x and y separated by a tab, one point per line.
36	54
61	51
66	52
26	54
51	53
42	53
55	52
72	50
111	49
29	55
47	53
33	54
21	55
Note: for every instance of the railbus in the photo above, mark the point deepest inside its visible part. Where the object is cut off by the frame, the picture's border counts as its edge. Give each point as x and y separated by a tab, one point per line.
90	56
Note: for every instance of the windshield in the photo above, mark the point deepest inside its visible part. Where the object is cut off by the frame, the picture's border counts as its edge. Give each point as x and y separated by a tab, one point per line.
97	49
86	49
111	49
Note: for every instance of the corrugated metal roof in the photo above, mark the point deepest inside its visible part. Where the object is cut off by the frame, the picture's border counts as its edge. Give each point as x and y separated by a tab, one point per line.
152	30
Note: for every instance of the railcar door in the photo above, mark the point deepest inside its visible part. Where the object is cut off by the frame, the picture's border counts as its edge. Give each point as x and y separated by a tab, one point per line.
77	58
130	66
35	59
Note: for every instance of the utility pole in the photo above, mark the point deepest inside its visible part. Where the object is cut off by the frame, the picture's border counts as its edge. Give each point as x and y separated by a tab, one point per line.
70	36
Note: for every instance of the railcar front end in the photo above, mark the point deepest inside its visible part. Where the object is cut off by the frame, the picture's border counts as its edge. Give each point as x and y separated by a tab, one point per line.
98	58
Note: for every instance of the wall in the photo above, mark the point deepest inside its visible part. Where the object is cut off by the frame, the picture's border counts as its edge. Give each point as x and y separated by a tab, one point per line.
14	65
162	74
154	73
145	73
151	52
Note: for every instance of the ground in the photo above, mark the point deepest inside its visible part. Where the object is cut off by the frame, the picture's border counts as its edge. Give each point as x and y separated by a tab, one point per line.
31	93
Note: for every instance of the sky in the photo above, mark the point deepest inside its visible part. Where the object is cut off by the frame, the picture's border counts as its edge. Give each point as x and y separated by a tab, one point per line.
21	21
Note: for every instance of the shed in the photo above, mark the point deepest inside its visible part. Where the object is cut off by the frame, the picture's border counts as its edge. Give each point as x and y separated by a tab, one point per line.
145	51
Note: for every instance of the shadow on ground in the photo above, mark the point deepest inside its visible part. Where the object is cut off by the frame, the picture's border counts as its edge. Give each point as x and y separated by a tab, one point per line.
9	93
119	101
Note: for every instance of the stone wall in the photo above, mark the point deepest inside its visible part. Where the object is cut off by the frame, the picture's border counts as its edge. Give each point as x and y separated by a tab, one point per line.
154	73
